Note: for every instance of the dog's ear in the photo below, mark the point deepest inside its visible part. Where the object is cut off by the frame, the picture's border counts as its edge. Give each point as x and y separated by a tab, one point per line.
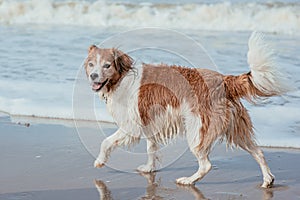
122	61
92	47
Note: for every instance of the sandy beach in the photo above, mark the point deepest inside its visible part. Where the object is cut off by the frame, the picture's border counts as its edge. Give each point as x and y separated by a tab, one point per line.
48	161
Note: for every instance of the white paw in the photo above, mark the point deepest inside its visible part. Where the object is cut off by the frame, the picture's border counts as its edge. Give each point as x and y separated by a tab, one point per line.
185	181
98	164
146	168
268	181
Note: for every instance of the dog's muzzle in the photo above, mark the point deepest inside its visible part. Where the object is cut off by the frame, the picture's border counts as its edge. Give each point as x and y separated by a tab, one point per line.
97	86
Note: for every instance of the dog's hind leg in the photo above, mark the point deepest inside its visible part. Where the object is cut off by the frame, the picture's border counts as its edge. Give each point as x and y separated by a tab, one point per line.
119	138
193	127
152	148
244	139
204	168
258	155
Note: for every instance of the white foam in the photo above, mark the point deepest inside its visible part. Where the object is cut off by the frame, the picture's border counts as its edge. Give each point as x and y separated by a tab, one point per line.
46	100
277	125
269	17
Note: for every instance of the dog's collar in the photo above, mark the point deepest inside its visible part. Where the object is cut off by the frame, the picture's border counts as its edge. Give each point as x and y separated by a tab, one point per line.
105	98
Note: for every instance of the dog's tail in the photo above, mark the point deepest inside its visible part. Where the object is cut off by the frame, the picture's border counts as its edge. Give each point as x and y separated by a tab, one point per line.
264	79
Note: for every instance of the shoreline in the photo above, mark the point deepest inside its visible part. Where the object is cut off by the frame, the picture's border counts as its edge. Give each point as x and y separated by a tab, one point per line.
41	119
28	120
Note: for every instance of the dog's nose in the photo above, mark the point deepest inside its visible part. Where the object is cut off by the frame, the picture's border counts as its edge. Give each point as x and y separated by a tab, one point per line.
94	76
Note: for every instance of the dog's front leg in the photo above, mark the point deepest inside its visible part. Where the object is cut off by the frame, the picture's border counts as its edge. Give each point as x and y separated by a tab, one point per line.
152	149
107	146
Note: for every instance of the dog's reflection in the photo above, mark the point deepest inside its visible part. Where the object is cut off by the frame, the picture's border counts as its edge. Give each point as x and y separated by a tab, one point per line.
156	191
267	194
104	192
153	190
152	187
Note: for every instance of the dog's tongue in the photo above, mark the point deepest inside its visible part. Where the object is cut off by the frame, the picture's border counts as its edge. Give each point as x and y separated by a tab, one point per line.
96	86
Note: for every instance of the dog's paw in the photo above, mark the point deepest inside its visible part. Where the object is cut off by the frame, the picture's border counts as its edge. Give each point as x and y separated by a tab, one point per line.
268	181
98	164
146	168
185	181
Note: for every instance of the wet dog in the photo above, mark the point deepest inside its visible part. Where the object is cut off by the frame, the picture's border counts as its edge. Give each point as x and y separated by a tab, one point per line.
160	102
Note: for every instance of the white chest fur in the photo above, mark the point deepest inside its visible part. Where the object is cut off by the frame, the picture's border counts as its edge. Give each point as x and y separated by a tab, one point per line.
122	104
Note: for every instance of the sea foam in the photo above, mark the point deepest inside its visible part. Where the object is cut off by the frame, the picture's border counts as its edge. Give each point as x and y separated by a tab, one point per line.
225	16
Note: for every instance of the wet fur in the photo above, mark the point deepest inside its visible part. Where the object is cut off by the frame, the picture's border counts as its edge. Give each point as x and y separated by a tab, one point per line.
162	102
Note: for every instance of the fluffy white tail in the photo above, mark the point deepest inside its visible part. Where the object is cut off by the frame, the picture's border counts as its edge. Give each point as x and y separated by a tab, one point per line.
264	72
264	80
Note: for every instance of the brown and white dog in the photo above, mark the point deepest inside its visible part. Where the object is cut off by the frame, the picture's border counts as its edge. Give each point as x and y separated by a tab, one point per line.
160	102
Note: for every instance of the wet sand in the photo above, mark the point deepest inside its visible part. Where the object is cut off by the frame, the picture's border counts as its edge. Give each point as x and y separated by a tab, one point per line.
49	161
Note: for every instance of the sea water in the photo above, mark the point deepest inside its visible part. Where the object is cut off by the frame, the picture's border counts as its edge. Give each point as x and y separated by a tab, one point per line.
44	43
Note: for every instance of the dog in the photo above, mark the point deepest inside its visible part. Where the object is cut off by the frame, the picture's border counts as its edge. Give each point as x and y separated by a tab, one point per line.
160	102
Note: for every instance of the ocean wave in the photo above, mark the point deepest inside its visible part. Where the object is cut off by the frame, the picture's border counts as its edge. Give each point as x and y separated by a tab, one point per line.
269	17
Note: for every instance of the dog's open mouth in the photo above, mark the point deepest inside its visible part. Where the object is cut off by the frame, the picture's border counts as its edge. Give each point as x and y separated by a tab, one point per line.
97	86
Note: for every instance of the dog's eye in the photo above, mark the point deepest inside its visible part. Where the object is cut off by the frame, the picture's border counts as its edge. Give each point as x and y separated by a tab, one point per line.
91	65
106	65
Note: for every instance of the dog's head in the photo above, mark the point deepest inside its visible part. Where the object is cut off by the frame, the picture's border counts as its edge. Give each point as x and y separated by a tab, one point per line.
105	67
